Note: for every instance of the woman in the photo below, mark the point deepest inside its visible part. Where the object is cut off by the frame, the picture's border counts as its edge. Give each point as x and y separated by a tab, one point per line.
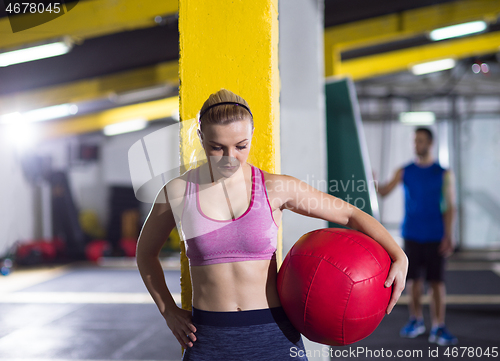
228	212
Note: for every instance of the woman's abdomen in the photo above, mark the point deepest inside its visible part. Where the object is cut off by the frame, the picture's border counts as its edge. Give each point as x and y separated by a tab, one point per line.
235	286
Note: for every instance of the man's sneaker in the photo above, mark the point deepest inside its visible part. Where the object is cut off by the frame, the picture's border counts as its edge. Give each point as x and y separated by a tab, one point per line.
442	336
413	328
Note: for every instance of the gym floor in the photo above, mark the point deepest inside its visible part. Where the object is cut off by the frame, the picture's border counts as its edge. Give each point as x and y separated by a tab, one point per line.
90	312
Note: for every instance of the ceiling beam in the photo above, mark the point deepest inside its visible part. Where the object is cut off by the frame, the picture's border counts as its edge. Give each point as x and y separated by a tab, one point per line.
91	89
403	25
401	60
149	111
90	19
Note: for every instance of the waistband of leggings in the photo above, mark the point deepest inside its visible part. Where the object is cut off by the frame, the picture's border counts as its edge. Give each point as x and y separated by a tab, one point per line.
239	318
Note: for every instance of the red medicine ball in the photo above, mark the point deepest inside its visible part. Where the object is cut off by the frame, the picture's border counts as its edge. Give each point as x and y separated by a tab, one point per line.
331	285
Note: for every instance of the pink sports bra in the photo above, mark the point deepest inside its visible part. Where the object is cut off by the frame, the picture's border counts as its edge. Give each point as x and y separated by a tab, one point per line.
252	236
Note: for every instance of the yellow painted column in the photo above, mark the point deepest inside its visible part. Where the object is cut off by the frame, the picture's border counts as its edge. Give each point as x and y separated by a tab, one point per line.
231	44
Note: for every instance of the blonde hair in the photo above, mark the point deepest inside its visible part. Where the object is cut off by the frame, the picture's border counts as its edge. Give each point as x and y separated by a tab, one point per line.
224	113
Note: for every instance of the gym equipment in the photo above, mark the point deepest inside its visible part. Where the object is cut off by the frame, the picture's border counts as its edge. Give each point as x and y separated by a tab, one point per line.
331	285
96	249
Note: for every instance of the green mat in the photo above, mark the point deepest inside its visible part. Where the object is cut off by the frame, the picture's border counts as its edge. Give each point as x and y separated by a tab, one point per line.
349	172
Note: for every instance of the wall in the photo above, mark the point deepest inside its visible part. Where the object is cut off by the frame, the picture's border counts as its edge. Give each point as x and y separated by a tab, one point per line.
17	198
302	102
480	196
21	214
302	108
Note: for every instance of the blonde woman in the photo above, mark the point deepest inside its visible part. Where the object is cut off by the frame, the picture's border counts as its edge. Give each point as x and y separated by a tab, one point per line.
228	212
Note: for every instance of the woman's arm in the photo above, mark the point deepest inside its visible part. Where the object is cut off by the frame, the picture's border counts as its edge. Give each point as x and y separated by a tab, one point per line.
304	199
159	223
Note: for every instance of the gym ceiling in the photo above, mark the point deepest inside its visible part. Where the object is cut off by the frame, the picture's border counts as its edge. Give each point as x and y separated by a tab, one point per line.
124	58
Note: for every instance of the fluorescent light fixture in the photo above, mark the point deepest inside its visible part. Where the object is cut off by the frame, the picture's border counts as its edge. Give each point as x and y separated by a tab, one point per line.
433	66
10	118
140	94
36	52
38	115
125	127
53	112
417	118
458	30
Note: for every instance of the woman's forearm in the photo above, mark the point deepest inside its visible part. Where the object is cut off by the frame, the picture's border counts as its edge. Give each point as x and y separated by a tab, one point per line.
368	225
154	279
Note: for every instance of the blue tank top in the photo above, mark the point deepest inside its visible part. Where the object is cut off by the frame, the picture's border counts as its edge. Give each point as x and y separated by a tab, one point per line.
423	189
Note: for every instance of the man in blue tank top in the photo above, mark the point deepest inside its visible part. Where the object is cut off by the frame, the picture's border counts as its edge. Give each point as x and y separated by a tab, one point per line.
427	232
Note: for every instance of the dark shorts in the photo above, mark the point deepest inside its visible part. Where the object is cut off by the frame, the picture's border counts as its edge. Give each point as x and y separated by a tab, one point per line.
425	257
264	334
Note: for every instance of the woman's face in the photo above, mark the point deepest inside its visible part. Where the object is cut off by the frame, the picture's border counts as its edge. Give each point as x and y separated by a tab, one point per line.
227	146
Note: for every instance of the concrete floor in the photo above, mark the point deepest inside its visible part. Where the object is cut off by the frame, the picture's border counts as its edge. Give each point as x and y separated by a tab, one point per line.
85	312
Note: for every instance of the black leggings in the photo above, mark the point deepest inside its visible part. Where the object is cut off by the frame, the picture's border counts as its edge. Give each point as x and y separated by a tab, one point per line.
264	334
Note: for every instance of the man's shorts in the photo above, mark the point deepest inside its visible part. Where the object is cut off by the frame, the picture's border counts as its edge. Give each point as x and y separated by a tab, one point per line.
424	257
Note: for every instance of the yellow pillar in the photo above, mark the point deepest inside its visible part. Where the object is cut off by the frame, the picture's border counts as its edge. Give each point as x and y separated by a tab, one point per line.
231	44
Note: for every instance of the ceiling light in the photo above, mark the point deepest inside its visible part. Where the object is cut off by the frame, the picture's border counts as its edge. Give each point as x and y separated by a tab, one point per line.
38	115
458	30
433	66
125	127
53	112
417	118
133	96
36	52
10	118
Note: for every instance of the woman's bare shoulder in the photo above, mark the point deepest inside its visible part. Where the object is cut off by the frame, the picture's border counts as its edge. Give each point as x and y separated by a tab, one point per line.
176	187
276	181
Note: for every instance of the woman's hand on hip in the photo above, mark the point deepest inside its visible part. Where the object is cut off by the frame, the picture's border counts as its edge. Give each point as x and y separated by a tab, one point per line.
179	322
